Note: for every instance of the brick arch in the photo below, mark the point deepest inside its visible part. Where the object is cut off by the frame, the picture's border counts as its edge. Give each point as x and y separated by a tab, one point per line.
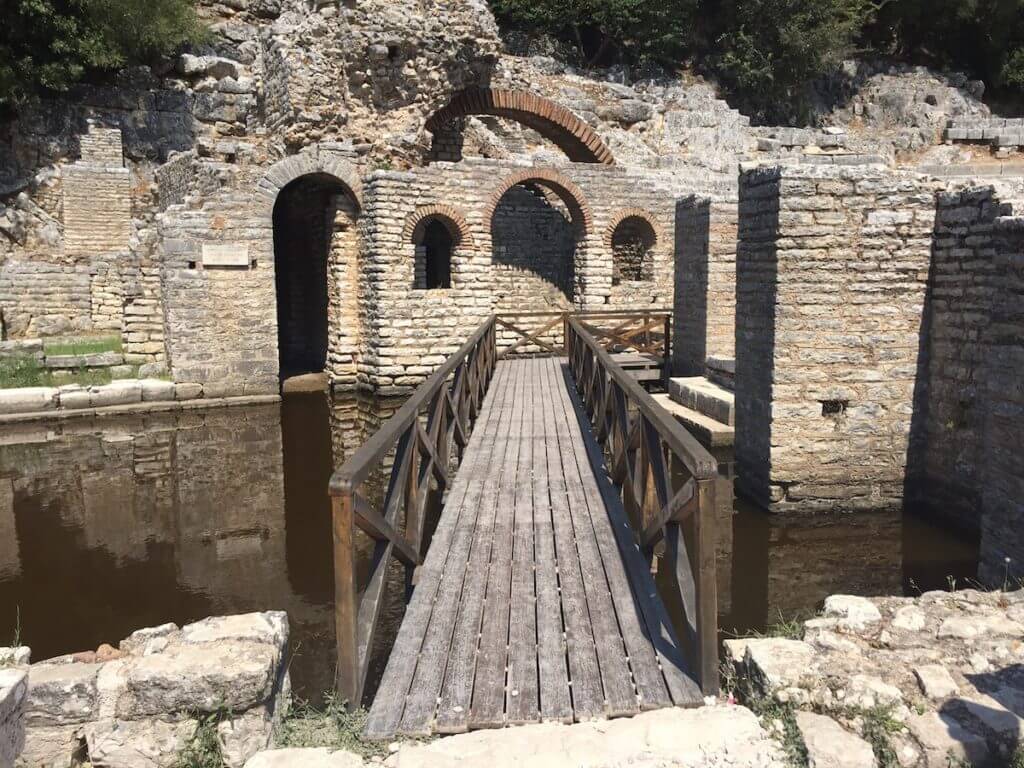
632	213
306	163
567	191
450	216
579	141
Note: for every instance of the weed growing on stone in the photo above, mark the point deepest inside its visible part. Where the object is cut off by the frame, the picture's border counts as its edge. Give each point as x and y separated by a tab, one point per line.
330	726
21	371
878	726
203	749
773	715
83	345
1017	761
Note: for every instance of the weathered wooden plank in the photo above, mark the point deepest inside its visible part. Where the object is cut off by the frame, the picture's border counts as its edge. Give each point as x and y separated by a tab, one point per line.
457	688
555	697
420	708
619	692
389	703
522	703
488	707
650	683
658	627
584	671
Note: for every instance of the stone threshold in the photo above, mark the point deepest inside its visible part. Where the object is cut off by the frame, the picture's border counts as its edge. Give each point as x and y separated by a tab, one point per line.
154	406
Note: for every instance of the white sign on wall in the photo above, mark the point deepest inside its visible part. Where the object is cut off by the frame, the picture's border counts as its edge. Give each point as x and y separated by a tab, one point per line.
225	254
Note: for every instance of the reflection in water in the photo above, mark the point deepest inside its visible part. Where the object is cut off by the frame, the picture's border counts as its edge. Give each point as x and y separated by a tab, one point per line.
112	524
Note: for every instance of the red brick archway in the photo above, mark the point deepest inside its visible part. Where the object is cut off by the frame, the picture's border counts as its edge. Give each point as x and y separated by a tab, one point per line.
579	141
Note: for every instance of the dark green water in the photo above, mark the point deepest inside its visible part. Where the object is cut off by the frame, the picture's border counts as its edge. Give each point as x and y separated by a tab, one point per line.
108	525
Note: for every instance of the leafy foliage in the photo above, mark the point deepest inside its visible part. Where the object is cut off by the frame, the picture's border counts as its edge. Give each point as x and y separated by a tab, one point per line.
770	48
606	30
49	45
765	51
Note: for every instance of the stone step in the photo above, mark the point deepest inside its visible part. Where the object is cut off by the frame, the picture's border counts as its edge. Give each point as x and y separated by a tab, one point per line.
707	398
713	434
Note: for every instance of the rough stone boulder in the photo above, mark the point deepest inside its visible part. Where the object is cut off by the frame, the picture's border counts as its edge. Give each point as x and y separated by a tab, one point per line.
137	707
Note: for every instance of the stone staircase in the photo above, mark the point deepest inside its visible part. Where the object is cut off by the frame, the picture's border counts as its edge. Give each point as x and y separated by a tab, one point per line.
705	404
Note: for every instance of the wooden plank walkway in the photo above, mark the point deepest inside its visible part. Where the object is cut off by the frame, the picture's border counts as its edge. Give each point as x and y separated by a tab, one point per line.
533	603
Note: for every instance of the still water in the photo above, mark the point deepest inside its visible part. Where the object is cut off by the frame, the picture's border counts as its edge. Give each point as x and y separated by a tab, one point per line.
109	525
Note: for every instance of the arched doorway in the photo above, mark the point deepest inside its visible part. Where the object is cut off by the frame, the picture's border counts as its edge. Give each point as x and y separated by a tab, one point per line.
538	231
314	253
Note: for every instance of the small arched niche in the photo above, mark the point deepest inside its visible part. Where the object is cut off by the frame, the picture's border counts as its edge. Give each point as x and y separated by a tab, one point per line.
632	242
438	234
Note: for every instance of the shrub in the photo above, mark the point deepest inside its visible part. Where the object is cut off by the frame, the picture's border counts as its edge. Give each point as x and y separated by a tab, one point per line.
49	45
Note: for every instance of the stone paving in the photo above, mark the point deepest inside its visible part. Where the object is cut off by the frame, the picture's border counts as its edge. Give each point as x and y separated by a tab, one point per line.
942	674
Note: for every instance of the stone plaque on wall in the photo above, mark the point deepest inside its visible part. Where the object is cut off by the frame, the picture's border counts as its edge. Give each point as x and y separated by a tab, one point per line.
225	254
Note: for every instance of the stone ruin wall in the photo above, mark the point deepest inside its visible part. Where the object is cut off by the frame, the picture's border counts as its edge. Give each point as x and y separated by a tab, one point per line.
832	266
965	453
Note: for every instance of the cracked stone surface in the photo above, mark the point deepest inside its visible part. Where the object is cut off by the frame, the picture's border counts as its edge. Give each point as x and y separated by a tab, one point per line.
946	668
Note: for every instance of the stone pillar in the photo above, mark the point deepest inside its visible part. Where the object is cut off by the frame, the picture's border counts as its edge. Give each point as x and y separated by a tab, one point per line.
832	266
705	283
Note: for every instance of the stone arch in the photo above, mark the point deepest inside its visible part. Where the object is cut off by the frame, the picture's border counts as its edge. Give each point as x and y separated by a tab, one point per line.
567	191
632	213
579	141
450	216
313	162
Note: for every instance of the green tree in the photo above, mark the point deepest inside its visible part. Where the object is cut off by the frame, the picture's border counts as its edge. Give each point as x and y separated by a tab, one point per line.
49	45
768	49
982	37
607	30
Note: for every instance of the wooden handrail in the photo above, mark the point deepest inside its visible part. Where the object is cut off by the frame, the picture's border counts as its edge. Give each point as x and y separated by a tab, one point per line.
448	401
665	479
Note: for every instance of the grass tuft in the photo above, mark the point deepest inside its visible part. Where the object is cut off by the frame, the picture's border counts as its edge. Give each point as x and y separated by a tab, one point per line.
84	345
22	371
878	726
203	749
330	726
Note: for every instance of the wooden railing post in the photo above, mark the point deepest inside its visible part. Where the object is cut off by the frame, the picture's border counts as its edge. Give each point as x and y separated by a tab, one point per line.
705	551
347	674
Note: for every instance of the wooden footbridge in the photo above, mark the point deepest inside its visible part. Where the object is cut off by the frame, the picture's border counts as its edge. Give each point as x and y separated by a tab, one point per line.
534	598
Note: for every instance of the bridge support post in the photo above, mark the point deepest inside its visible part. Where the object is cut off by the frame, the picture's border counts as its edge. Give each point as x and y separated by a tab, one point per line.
707	587
347	676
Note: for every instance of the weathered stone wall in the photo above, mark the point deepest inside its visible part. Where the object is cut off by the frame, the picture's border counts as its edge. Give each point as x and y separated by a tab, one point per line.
705	282
534	251
409	330
832	266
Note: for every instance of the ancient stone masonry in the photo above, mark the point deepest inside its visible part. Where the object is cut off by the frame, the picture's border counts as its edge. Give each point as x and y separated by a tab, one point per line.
831	270
145	697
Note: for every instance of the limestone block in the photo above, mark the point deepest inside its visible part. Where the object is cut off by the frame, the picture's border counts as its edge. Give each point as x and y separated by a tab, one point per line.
853	612
866	691
909	618
210	66
157	389
75	399
319	757
141	744
969	627
942	737
775	663
204	678
16	656
51	745
61	694
28	399
829	745
242	736
118	392
140	638
97	360
13	691
936	682
188	391
270	628
997	718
